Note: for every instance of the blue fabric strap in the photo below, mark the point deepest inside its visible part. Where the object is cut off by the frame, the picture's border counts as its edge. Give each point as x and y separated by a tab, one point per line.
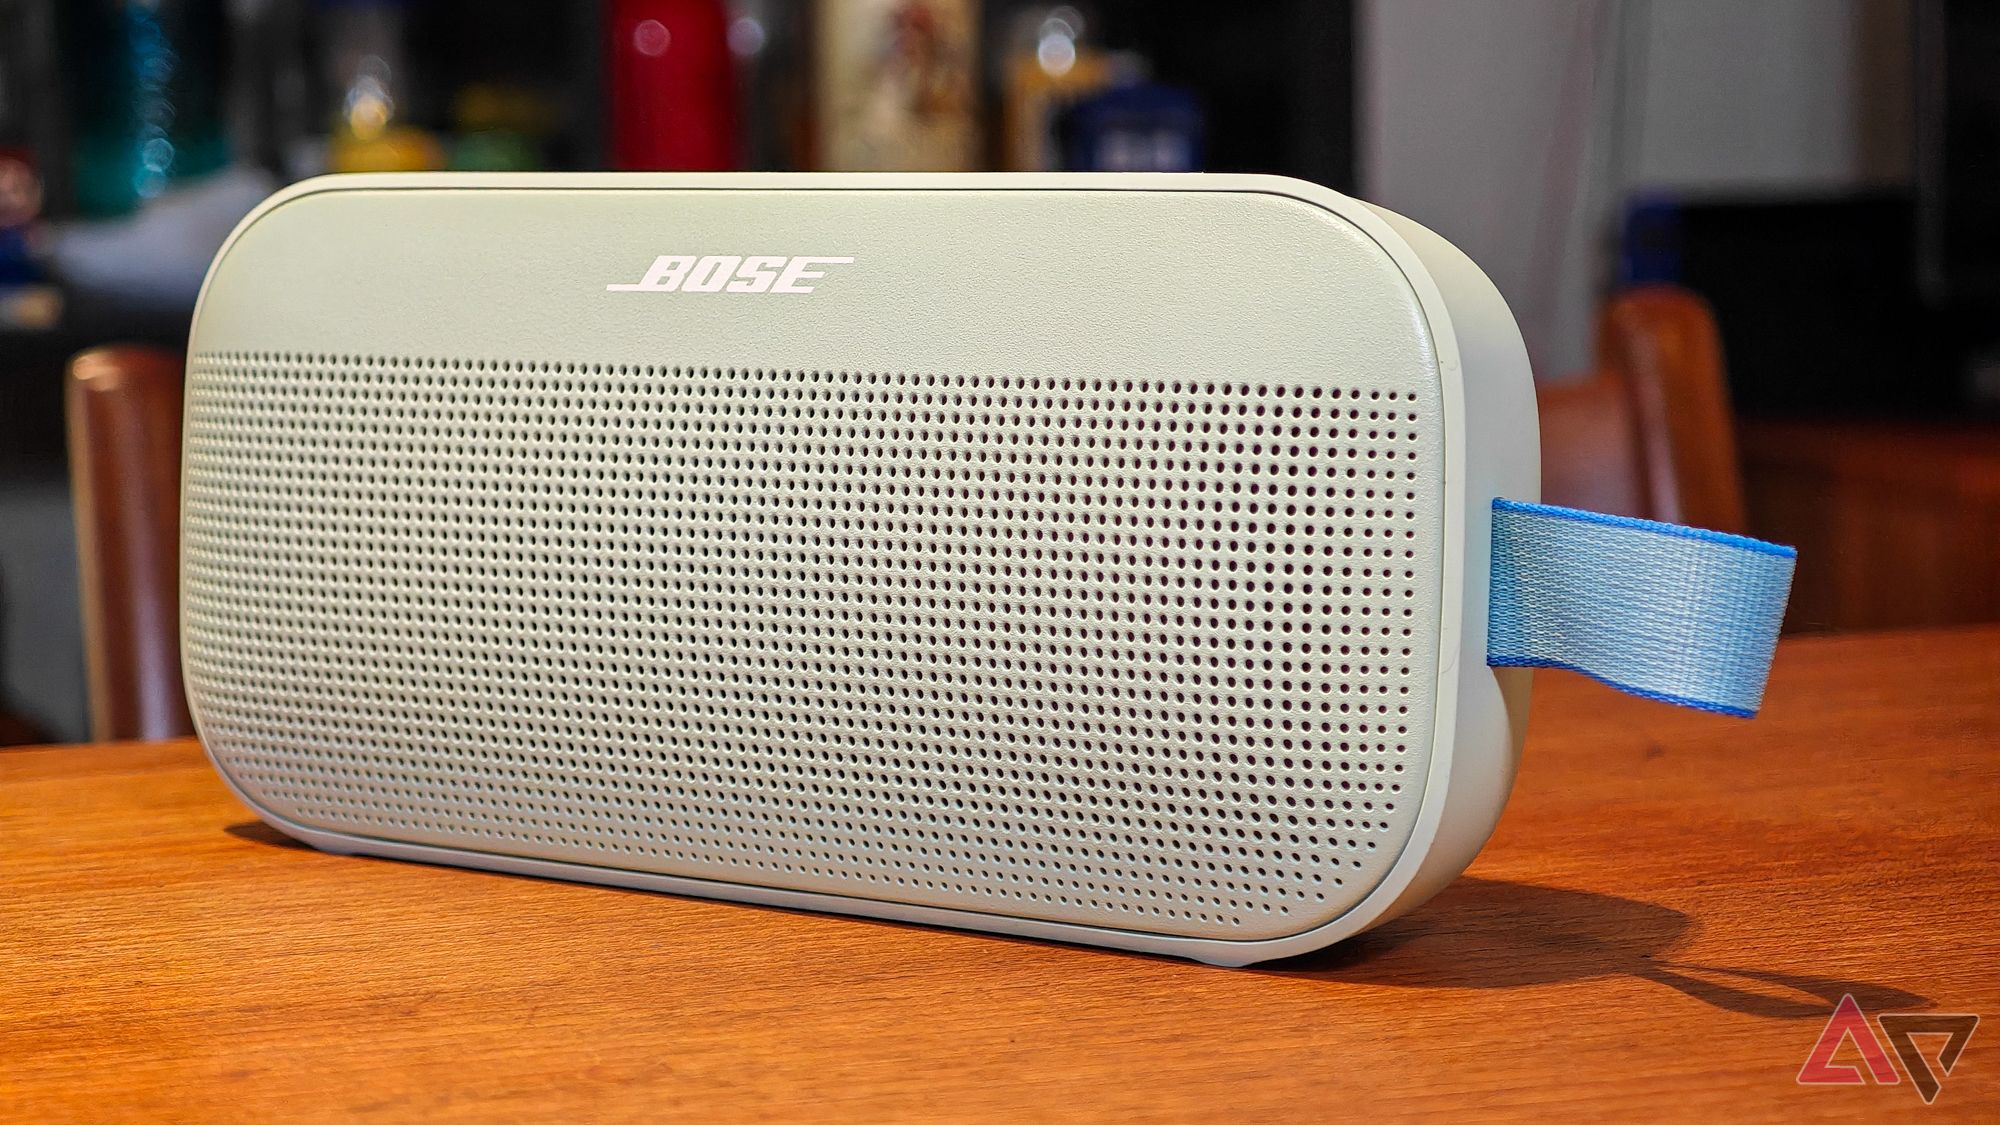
1662	611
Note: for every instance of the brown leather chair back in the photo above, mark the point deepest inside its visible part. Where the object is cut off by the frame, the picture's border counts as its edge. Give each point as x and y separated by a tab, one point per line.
1649	433
124	411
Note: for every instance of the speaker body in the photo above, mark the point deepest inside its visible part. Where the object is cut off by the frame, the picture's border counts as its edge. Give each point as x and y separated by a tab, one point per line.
1095	558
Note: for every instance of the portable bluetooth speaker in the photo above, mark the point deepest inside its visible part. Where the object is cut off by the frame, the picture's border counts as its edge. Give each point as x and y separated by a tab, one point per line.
1145	561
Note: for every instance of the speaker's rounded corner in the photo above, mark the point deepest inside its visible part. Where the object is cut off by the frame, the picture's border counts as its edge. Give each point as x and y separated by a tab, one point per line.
288	194
260	807
333	843
1485	759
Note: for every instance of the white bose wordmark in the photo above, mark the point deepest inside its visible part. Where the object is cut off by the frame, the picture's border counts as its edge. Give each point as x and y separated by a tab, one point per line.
731	273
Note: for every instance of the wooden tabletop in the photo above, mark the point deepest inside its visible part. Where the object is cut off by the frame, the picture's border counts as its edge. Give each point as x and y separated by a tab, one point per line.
1672	908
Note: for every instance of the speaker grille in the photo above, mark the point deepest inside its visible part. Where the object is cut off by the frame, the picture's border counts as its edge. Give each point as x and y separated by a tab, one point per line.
1150	653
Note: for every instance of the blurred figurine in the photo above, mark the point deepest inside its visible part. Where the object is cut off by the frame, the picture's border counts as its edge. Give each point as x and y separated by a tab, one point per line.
1135	126
897	85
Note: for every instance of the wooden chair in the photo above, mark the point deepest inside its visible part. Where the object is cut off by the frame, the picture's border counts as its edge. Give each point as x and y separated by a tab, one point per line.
124	411
1649	433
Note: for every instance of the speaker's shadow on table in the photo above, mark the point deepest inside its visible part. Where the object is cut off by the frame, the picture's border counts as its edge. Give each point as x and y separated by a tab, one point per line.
1488	933
257	832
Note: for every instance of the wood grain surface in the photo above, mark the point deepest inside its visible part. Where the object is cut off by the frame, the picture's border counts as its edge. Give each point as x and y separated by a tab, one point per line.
1672	907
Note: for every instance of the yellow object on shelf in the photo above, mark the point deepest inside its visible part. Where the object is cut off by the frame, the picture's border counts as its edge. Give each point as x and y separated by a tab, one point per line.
399	148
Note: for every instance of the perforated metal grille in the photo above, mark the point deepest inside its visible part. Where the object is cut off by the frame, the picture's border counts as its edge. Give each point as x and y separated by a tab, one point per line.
1144	653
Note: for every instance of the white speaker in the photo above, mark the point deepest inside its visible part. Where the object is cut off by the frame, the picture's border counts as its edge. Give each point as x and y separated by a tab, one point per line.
1096	558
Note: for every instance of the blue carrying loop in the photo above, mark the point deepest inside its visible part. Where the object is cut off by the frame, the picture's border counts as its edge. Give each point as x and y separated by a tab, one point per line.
1661	611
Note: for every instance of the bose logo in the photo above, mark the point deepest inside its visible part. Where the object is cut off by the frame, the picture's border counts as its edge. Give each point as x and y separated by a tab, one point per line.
730	273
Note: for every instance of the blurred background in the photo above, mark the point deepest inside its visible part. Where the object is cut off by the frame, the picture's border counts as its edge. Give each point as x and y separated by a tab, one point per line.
1754	244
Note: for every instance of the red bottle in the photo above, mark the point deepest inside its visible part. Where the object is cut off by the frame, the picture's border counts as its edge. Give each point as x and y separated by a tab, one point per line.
673	86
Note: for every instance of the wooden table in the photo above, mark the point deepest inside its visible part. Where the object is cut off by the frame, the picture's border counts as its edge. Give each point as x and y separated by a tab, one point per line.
1662	927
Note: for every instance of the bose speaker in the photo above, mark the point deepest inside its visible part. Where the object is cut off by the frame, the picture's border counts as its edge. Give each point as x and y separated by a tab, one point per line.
1096	558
